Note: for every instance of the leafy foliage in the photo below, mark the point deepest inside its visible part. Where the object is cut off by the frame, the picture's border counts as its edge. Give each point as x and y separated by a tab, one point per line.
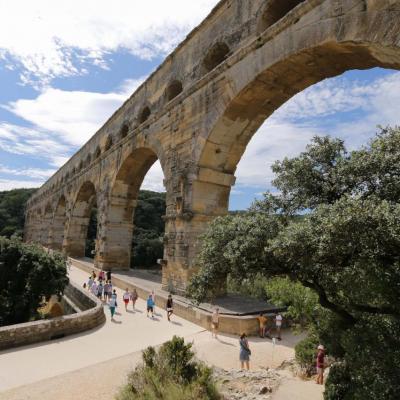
170	374
12	209
147	245
27	273
302	303
345	249
305	353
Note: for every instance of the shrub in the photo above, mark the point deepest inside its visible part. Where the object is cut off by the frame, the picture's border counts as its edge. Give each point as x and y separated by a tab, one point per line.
170	374
306	353
338	383
27	273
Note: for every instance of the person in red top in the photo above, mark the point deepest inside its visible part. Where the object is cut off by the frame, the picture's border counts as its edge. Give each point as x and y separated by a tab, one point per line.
320	364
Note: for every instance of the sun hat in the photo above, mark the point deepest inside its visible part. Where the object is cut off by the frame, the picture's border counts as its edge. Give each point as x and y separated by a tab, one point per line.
321	347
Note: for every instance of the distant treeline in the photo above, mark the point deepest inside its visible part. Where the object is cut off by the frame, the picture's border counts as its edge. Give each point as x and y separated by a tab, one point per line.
12	209
147	244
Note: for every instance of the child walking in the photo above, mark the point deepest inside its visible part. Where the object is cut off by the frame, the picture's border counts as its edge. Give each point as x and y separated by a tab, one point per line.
150	306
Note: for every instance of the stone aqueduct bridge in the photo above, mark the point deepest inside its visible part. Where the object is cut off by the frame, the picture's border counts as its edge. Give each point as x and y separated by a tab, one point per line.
196	114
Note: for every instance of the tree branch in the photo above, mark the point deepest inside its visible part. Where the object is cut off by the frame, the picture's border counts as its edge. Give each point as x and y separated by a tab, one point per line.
325	302
375	310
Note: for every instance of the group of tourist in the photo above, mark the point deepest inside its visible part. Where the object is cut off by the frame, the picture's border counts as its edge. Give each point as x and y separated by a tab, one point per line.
101	287
264	331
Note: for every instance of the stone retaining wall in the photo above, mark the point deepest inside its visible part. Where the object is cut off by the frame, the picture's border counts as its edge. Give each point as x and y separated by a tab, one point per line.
91	316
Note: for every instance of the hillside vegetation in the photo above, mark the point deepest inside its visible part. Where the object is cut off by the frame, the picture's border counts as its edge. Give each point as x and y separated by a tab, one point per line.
12	209
147	245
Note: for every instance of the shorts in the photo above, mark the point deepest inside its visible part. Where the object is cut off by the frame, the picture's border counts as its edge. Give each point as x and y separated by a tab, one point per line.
215	325
126	301
149	309
170	309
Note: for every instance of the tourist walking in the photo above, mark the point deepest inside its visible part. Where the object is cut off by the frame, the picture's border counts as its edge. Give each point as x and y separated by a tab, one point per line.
110	289
126	297
90	282
100	289
245	352
101	275
106	290
94	288
112	303
93	275
170	307
153	296
262	320
134	297
150	306
278	324
320	364
215	323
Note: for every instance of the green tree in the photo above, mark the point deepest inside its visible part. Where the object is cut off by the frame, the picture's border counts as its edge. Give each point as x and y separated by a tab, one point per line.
12	209
27	273
345	249
147	244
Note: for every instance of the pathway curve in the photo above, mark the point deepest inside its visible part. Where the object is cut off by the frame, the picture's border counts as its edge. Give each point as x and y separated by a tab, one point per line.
131	332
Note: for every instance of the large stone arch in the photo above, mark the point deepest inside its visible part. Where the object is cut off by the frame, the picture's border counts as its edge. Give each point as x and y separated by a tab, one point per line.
117	231
58	224
258	55
75	238
359	38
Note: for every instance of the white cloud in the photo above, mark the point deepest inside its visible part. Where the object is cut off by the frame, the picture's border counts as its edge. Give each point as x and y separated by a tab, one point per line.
290	129
50	38
34	173
34	142
154	179
71	116
6	184
273	141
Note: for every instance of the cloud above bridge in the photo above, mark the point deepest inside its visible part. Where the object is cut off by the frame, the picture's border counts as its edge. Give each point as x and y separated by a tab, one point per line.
341	107
46	39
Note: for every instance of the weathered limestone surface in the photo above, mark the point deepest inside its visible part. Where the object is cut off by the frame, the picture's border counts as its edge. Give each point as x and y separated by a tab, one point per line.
196	114
90	315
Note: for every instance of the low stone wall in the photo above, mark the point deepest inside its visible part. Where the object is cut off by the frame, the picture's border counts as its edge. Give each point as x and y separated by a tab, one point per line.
90	316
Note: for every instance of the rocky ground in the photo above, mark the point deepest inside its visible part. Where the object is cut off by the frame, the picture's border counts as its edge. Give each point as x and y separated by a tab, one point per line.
247	385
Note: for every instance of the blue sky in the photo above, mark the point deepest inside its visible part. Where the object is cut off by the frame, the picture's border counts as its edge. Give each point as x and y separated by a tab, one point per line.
65	67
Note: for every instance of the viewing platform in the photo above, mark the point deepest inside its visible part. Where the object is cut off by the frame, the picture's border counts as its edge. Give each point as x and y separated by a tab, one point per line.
238	313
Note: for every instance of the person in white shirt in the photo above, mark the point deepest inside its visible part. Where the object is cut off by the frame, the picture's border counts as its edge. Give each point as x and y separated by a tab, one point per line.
93	289
126	297
278	323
